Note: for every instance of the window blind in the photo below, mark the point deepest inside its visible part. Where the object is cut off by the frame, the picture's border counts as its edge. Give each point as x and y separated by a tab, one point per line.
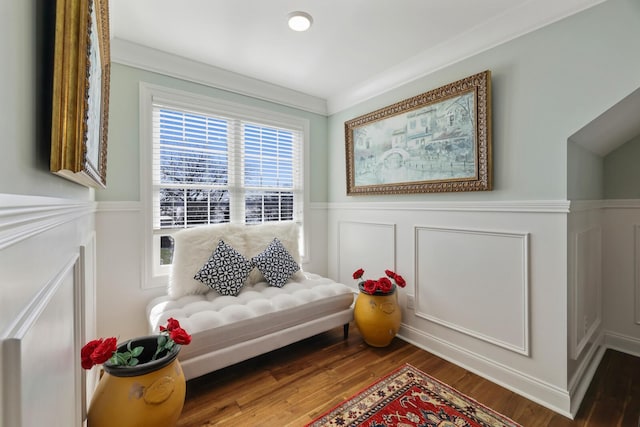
212	168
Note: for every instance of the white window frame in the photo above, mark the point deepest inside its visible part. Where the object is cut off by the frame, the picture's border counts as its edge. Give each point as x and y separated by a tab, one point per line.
154	274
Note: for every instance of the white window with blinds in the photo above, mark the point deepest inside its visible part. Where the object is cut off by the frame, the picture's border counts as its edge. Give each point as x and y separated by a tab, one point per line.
206	161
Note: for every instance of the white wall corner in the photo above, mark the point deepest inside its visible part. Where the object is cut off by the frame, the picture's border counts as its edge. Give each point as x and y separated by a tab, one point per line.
579	383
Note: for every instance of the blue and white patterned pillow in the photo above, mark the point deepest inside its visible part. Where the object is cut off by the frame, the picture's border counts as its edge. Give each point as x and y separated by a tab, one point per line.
275	264
225	271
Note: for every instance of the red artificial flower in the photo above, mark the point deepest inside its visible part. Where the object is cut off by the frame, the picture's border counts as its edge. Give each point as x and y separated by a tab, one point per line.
171	325
85	353
382	285
104	351
370	286
180	336
385	284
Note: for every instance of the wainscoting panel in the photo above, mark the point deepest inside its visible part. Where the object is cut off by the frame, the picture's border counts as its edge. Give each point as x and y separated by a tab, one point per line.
370	246
586	291
40	361
486	283
621	271
47	256
475	282
88	327
636	269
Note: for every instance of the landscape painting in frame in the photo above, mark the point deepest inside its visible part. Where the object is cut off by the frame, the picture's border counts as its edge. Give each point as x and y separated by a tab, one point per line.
438	141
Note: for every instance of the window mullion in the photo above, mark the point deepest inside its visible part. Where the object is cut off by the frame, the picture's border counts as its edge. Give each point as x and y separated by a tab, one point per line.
209	162
236	172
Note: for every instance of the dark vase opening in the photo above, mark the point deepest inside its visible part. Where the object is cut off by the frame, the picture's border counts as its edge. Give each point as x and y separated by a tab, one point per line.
145	364
361	288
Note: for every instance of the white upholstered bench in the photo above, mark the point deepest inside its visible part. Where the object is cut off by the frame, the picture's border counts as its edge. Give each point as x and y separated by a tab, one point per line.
227	329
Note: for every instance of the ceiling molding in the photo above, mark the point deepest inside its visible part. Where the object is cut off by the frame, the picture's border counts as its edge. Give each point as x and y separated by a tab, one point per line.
149	59
508	26
512	23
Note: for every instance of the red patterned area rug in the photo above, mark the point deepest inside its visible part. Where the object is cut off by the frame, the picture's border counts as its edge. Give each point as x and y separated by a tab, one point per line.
408	397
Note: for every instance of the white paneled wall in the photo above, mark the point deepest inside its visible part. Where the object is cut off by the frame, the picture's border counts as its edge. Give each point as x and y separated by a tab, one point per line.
377	240
522	293
584	295
40	355
487	283
636	278
490	280
47	251
621	274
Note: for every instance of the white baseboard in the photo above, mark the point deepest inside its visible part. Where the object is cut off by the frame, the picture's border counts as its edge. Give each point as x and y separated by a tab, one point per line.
623	343
545	394
564	402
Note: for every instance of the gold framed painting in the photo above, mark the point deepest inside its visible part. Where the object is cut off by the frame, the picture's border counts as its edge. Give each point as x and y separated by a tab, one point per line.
438	141
80	109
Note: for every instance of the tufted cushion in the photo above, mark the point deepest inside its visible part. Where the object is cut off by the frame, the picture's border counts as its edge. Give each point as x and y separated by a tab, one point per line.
217	321
225	271
275	263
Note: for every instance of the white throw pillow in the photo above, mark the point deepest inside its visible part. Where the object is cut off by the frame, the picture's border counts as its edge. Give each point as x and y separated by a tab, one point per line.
192	248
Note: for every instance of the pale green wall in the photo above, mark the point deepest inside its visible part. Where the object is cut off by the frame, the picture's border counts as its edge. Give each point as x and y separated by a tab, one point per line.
546	86
584	173
622	171
25	85
123	163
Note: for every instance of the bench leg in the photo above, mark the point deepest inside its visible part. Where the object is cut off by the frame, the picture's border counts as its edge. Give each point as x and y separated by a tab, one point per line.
345	329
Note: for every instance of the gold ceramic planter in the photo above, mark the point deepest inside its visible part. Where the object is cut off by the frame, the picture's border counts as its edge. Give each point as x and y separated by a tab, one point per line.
147	395
377	317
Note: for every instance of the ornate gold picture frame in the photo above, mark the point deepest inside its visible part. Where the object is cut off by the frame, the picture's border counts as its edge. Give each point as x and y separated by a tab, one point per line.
80	109
438	141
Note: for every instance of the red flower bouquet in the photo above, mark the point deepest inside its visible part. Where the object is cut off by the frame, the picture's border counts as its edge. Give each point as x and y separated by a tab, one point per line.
105	350
382	286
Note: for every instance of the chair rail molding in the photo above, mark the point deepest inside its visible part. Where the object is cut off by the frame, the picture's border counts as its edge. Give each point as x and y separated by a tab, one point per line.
22	216
515	206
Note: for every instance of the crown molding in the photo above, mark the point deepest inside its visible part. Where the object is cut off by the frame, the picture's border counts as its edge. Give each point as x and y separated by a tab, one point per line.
149	59
513	23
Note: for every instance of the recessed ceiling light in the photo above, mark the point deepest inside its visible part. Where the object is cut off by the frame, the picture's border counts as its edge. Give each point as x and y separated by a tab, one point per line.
299	21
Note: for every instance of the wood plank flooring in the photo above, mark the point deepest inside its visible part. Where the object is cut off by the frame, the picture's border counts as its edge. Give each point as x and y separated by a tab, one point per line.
293	385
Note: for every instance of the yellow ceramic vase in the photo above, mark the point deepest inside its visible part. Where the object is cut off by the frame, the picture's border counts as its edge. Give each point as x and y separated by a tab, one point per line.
148	395
377	317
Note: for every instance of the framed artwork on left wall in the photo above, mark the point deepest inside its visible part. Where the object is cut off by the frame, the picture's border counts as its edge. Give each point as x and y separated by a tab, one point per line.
80	109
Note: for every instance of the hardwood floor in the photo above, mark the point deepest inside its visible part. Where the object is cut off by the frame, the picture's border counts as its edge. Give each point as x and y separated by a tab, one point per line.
294	385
